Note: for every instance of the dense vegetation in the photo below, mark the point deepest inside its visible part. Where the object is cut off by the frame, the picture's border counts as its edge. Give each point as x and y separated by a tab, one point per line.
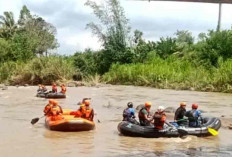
178	62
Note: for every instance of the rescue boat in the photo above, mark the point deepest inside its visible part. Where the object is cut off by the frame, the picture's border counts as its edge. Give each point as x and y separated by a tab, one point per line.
69	124
128	129
51	95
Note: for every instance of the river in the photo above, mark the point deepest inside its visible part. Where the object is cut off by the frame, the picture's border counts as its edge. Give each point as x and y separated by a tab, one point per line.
18	105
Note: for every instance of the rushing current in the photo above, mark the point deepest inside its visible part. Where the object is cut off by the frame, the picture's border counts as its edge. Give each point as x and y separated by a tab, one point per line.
18	105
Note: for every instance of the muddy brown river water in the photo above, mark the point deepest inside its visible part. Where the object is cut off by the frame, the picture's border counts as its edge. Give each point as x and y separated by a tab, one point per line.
19	138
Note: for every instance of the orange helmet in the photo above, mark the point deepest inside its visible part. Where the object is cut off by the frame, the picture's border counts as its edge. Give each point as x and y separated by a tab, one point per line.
183	104
50	101
194	106
55	102
147	104
87	102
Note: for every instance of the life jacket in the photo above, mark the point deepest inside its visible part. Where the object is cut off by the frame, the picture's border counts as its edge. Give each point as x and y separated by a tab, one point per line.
89	114
54	88
63	89
141	115
80	113
56	110
159	119
47	109
55	113
192	116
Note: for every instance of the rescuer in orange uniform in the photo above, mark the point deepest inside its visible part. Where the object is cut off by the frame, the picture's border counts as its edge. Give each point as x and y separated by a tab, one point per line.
63	89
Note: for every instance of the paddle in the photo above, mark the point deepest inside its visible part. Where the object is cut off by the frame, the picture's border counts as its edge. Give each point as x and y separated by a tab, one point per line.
213	131
180	120
35	120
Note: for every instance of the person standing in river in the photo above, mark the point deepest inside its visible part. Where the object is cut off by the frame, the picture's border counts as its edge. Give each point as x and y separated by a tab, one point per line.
180	113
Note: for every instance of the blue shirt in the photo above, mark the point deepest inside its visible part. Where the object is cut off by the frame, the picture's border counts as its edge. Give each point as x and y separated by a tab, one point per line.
195	114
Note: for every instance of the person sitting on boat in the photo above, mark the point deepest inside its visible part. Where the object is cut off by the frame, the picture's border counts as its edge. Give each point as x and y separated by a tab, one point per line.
194	116
54	88
63	89
80	113
56	111
48	107
89	112
159	118
179	114
144	115
129	114
39	88
44	89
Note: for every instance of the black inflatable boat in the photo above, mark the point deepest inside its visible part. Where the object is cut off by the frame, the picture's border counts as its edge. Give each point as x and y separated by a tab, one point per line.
51	95
129	129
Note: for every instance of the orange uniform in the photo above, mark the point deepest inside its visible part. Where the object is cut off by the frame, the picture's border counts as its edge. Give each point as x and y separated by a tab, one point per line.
63	89
89	114
80	112
54	88
54	110
56	113
48	107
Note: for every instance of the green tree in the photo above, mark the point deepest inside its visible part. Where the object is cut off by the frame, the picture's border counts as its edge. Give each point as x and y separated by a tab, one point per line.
184	37
7	25
42	35
24	16
214	45
166	47
113	31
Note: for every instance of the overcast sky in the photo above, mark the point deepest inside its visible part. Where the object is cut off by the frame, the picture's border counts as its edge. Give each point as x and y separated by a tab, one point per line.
154	19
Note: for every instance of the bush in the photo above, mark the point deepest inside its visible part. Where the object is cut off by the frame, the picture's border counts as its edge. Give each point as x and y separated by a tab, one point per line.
39	70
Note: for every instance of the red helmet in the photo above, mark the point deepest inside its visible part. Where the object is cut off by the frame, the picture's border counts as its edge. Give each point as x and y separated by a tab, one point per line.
194	106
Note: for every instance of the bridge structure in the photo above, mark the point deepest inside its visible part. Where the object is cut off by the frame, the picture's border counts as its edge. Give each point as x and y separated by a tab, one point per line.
220	2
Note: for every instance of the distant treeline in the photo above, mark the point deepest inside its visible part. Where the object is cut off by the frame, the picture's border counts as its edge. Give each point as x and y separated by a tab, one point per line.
179	62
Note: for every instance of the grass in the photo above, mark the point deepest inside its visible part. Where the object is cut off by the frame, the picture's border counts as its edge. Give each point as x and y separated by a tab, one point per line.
173	73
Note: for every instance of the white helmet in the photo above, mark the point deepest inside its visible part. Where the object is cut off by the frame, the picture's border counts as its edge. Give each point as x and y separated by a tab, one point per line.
160	109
